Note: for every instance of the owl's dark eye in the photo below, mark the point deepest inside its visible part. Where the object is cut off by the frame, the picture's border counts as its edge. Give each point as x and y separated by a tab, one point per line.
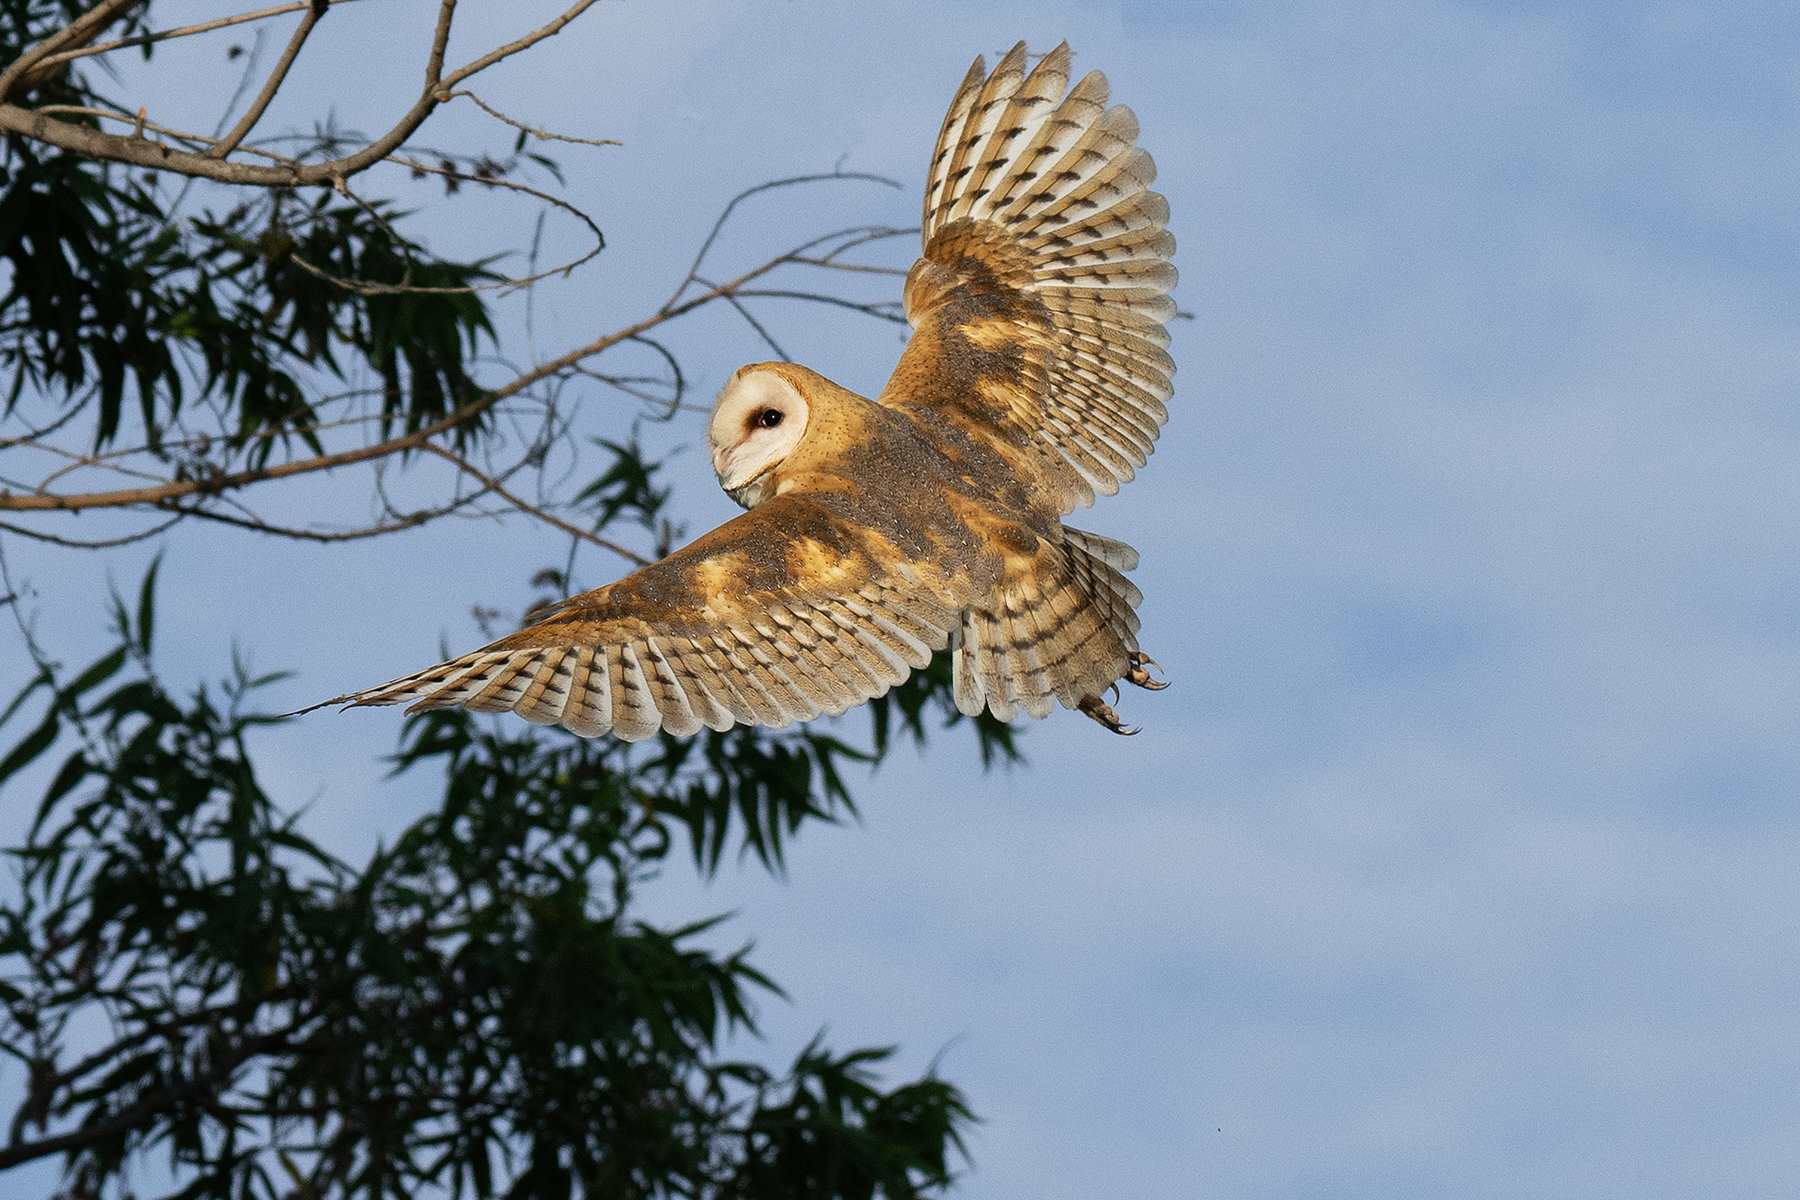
768	418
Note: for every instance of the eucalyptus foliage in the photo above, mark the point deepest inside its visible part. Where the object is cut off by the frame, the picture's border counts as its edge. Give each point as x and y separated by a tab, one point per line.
195	997
473	1009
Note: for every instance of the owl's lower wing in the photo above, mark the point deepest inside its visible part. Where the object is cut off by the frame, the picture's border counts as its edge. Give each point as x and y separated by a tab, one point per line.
1039	303
777	616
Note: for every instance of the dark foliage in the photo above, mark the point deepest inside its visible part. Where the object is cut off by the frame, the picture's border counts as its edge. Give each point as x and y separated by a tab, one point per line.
115	292
474	1009
185	977
110	297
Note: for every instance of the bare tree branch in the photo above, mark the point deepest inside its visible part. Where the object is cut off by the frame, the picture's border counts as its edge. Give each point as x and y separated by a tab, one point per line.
411	520
886	310
540	134
41	502
493	485
79	32
506	285
49	66
141	122
140	152
511	48
440	42
693	274
761	332
317	9
97	544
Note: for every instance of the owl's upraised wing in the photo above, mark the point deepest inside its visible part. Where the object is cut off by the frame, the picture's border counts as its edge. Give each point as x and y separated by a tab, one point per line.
1039	304
776	616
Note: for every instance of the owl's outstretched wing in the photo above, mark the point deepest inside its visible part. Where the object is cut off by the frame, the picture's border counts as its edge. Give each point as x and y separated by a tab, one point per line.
779	615
1039	304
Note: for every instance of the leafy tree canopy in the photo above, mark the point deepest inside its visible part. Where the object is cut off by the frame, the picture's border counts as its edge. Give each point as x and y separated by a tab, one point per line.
196	997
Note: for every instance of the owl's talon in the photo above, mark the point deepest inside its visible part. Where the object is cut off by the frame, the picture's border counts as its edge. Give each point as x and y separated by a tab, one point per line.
1141	677
1102	712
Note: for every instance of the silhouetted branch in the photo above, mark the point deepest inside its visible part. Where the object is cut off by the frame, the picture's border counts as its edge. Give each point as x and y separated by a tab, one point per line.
489	483
163	493
273	84
48	65
136	150
540	134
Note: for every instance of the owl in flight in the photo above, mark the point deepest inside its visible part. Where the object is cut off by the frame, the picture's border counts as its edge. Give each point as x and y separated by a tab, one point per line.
881	530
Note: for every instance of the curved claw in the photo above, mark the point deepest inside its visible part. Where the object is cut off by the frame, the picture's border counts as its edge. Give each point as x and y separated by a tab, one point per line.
1140	677
1102	712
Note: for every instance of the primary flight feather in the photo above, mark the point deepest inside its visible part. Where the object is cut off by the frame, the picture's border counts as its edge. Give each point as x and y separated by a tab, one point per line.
880	531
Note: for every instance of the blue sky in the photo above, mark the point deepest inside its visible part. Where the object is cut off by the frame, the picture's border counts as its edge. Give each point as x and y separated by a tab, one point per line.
1462	858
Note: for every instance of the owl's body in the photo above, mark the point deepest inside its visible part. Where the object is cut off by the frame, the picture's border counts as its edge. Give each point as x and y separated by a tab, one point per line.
882	530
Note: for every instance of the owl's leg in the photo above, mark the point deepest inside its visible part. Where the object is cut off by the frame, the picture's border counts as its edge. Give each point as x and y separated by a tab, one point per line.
1141	677
1137	674
1103	712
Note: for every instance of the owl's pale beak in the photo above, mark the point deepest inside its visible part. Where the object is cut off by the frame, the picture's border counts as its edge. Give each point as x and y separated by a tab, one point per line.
722	467
741	483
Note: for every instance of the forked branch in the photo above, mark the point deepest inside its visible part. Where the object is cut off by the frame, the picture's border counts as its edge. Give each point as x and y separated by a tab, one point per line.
184	471
163	493
270	86
50	64
211	163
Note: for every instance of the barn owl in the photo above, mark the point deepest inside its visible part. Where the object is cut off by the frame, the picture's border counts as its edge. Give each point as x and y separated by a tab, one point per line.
879	531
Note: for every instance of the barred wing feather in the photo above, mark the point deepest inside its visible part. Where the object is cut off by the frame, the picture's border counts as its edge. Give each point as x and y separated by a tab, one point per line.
1040	300
699	640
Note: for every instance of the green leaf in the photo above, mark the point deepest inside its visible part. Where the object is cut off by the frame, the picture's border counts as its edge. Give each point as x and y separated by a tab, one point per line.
146	613
97	673
33	744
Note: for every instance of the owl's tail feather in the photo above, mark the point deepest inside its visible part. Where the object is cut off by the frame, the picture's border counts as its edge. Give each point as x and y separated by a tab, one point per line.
1063	635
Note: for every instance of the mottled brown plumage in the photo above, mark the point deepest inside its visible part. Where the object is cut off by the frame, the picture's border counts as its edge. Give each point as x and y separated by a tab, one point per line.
880	531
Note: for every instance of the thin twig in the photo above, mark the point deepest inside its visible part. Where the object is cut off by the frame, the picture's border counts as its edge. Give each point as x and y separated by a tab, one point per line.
679	388
494	485
78	460
273	84
139	125
854	268
79	544
507	284
409	521
761	332
81	461
511	48
36	502
725	215
887	310
540	134
440	42
859	236
37	74
79	32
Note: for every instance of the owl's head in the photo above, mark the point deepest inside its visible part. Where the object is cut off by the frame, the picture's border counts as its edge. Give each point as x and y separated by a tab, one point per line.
759	418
